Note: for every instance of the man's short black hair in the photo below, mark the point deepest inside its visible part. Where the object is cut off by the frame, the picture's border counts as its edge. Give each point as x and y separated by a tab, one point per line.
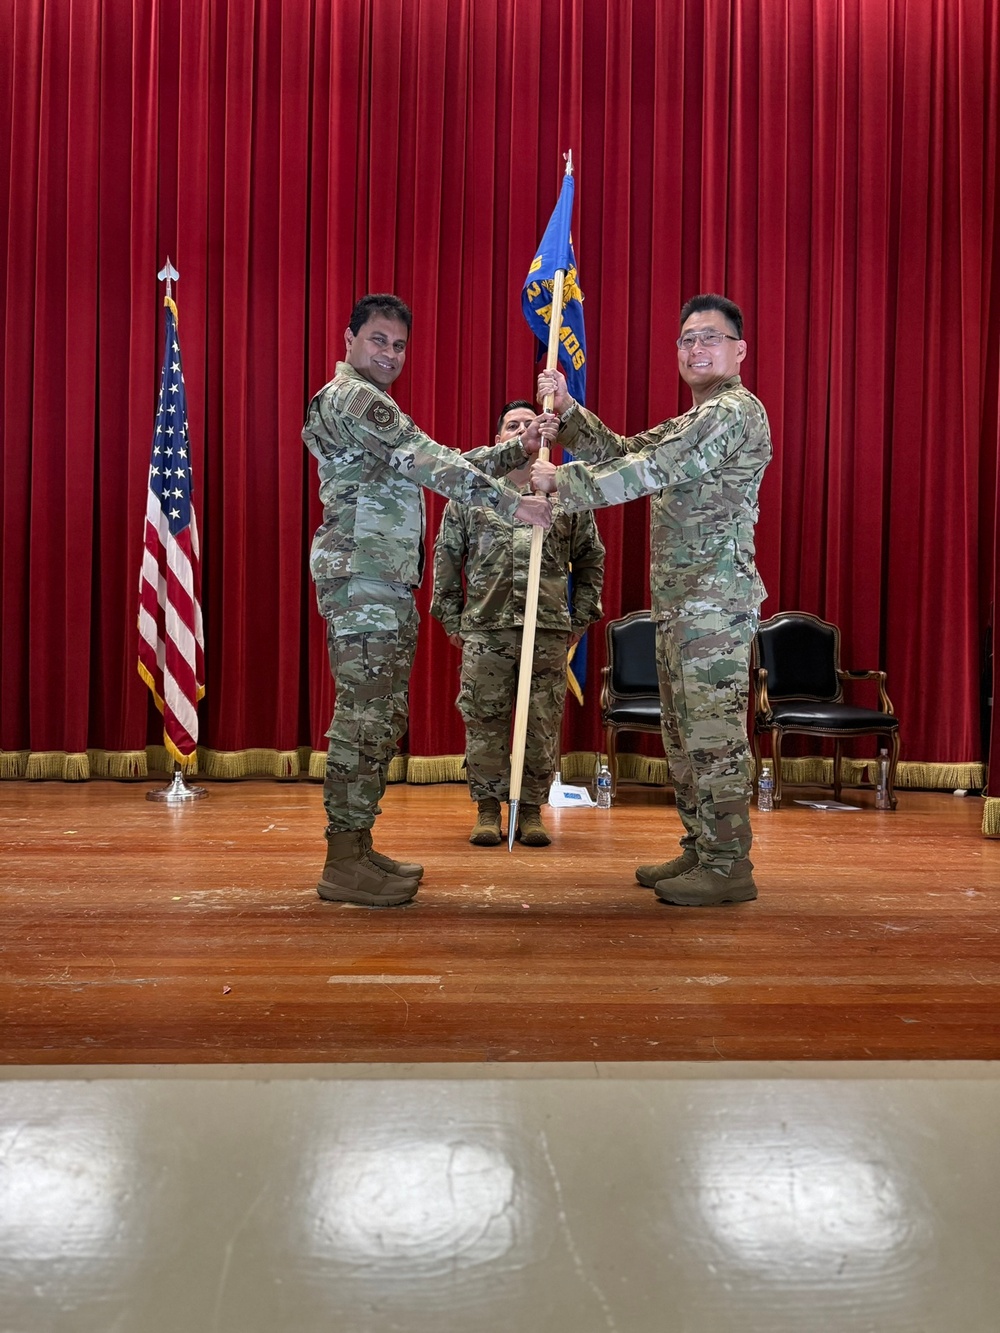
509	407
713	301
380	303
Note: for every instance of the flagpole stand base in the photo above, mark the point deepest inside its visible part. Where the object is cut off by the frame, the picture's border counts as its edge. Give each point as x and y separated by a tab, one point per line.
177	792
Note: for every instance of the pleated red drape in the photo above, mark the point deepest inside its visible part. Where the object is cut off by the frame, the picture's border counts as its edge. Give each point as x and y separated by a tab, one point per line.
831	164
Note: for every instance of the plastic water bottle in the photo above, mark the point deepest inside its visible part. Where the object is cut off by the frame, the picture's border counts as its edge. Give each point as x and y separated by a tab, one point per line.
882	801
604	788
765	788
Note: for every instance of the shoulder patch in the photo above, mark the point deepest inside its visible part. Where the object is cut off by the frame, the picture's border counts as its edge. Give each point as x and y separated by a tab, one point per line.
382	414
367	405
359	402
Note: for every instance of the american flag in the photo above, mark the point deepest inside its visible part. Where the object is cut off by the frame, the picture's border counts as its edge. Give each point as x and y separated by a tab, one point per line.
171	643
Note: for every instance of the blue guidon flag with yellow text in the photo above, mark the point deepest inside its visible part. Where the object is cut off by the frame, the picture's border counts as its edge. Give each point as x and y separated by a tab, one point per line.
556	252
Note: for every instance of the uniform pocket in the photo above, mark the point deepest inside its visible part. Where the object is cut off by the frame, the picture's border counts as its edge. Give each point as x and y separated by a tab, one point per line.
375	618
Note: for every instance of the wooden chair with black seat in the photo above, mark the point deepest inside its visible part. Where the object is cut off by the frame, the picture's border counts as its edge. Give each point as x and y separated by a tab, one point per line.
630	688
799	689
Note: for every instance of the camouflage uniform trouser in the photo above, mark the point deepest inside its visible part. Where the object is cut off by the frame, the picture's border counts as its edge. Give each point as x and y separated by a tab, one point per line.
371	634
486	699
703	663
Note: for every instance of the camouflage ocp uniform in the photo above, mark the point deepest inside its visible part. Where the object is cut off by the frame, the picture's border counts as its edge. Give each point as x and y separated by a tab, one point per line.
703	470
488	611
367	556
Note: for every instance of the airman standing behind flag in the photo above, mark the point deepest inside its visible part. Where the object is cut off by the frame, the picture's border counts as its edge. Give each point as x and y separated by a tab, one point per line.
703	470
367	556
480	576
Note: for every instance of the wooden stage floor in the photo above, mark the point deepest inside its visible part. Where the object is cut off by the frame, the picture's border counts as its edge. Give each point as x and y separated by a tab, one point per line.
134	932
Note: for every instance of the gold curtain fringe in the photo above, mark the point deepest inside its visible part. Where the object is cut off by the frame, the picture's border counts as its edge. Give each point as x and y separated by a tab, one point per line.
436	768
814	770
955	777
991	817
225	764
57	765
159	760
13	763
811	770
803	771
253	763
575	766
580	766
643	768
118	764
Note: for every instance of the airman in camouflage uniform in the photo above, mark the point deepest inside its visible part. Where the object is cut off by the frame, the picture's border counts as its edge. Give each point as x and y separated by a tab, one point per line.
703	470
367	556
485	618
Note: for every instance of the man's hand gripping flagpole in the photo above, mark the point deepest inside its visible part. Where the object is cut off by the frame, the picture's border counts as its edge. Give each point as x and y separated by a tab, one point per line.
527	658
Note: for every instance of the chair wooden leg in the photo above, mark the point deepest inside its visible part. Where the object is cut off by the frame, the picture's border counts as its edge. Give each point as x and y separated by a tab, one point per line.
611	747
755	742
776	756
893	761
837	784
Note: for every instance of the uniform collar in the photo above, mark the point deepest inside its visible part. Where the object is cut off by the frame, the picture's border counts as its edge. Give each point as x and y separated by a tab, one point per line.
345	368
733	382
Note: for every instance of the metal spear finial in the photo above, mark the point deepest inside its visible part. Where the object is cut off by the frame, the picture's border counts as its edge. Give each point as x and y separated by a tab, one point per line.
169	273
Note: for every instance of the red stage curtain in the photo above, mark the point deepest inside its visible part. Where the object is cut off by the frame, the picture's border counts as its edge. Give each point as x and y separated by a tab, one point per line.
831	165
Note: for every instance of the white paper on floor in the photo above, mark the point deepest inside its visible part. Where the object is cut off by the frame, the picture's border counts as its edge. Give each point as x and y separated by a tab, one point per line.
561	795
828	805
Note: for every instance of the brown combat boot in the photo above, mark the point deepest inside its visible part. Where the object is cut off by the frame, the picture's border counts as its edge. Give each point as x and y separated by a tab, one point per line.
530	829
649	876
350	877
487	830
707	886
404	869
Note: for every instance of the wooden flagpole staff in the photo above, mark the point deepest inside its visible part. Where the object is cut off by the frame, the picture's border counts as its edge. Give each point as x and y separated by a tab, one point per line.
526	663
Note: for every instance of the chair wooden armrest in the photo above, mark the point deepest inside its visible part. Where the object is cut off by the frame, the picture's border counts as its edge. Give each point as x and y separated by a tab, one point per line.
884	702
763	704
605	687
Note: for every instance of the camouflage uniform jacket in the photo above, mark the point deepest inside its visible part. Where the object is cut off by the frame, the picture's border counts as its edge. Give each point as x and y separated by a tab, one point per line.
703	470
495	553
373	462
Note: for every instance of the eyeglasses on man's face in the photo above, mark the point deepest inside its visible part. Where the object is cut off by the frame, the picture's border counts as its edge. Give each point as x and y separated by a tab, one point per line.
707	338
